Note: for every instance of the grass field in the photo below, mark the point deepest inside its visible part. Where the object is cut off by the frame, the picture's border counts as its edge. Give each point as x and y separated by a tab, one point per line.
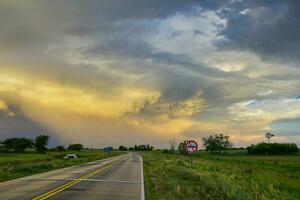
18	165
169	176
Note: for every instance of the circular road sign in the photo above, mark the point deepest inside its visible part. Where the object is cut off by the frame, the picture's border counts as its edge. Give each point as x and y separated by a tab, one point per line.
191	146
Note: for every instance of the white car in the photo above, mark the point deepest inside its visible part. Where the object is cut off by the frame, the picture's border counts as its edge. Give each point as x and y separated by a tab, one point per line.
71	156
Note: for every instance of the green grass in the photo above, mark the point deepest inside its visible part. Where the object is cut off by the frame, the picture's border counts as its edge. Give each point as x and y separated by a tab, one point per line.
229	176
23	164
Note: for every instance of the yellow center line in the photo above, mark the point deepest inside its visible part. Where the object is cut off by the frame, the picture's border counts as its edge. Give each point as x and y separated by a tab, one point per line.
72	183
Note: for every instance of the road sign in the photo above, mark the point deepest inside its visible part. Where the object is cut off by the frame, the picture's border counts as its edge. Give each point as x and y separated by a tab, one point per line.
107	150
191	146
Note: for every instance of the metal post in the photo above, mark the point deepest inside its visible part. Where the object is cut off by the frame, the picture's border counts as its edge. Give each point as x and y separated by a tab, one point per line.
191	161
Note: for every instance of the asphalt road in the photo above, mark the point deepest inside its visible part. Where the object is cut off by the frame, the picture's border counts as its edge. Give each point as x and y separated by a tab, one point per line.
113	178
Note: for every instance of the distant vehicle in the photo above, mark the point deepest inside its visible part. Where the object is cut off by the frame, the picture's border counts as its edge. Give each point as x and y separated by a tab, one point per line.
70	156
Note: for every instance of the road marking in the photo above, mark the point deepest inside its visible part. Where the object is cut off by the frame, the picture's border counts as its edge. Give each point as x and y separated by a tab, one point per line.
72	183
92	180
142	179
58	170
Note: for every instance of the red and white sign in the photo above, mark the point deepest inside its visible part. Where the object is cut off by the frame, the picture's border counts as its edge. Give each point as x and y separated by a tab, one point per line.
191	146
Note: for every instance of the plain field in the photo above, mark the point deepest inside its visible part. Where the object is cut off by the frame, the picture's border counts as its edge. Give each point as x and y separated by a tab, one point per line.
168	176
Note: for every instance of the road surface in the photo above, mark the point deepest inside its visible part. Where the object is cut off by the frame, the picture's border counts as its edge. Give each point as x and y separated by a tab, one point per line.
112	178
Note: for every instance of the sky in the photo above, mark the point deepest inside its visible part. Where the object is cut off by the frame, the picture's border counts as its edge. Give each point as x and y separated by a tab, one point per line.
106	72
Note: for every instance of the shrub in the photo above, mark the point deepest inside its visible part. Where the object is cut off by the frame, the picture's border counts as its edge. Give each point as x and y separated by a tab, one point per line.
60	148
165	151
273	148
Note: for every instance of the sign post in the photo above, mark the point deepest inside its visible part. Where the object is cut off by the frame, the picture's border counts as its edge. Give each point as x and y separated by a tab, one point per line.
107	150
191	147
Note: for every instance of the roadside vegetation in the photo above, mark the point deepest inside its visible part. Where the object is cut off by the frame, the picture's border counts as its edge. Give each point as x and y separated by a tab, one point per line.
21	157
223	172
16	165
224	176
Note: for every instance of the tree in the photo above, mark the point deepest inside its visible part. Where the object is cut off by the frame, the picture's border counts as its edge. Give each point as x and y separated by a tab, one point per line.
122	148
172	144
216	143
17	144
41	143
131	149
60	148
75	147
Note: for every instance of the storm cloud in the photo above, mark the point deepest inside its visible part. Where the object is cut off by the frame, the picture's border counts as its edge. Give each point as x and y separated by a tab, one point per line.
106	72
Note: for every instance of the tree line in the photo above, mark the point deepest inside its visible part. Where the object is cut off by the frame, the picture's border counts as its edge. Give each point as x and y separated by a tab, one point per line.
137	148
219	143
39	144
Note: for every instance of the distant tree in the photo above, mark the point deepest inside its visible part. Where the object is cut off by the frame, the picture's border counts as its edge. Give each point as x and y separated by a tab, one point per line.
1	146
273	148
17	144
269	136
41	142
75	147
122	148
131	149
172	144
143	147
60	148
216	143
150	148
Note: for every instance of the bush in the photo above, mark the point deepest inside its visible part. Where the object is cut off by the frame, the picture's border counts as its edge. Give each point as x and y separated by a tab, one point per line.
273	148
60	148
165	151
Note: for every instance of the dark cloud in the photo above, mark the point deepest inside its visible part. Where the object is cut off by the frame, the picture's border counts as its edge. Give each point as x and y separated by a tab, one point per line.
100	45
131	9
21	126
269	28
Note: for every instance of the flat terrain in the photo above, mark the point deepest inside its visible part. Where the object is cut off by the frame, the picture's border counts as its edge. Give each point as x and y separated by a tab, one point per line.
112	178
168	176
18	165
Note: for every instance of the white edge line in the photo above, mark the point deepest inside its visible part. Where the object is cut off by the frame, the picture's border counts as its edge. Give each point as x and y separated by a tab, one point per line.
142	180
